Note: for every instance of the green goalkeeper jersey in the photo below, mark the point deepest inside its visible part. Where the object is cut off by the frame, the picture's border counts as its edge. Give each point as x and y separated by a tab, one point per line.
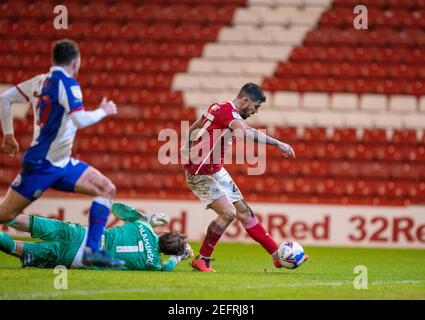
63	243
136	243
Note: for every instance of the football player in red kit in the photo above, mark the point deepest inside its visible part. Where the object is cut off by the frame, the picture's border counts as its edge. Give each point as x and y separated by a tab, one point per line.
212	135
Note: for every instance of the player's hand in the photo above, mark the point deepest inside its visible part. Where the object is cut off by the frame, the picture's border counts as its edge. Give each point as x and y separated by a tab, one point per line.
159	219
288	152
188	252
9	145
109	107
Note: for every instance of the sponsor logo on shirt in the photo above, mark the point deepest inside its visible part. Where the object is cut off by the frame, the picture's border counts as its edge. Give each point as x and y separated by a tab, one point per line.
28	258
37	193
17	181
76	92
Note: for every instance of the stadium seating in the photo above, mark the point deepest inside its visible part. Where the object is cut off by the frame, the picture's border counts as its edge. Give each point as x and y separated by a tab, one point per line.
351	102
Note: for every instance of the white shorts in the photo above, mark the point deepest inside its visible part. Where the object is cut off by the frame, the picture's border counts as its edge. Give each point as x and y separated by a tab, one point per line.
209	188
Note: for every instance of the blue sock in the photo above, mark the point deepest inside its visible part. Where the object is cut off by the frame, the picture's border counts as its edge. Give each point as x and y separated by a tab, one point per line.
7	244
99	212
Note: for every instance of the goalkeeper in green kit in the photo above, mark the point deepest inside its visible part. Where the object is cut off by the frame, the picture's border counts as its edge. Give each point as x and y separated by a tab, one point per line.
135	242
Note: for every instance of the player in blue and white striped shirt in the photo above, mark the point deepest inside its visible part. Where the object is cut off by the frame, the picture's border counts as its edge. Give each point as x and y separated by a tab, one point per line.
58	107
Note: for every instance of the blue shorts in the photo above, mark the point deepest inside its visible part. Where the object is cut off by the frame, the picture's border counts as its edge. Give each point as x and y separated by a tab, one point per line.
35	179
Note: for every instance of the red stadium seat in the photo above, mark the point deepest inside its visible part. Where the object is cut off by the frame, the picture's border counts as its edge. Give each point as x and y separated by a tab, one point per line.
344	135
315	134
374	135
404	136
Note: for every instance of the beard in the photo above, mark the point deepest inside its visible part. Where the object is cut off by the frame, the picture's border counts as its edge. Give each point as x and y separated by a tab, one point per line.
243	114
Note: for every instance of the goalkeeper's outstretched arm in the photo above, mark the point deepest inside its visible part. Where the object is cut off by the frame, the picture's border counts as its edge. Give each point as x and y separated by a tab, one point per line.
171	262
126	213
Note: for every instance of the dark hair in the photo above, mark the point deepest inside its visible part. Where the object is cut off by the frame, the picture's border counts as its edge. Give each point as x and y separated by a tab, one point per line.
64	51
253	92
172	243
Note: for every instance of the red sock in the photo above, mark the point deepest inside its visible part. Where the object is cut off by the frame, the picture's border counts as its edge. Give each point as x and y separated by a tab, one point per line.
257	232
214	233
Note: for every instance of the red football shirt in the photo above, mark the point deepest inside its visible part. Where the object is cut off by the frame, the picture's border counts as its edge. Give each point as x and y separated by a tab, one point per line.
215	138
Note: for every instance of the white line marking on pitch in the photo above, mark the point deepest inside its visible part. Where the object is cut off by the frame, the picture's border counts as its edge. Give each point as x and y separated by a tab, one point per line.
53	294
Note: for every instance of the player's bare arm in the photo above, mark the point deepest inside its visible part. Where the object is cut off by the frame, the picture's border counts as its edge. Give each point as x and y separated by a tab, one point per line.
83	119
261	138
9	144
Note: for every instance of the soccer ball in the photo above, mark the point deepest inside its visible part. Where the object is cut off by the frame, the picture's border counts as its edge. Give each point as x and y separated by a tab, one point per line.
291	254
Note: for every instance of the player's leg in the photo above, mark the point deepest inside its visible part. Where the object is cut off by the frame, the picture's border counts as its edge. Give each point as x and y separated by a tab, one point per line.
208	190
7	243
92	182
45	254
226	213
21	223
39	227
256	230
61	240
84	179
12	205
245	215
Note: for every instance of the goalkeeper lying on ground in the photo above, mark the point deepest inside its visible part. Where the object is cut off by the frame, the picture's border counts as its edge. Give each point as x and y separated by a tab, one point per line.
63	243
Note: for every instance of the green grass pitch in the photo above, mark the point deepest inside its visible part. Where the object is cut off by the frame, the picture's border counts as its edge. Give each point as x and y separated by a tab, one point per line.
244	271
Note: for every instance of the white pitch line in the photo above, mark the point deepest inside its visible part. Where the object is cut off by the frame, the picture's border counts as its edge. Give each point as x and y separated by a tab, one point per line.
63	293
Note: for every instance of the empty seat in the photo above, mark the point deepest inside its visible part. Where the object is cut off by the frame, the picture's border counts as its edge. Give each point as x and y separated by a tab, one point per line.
344	101
358	120
374	135
299	119
413	121
269	117
388	121
291	36
196	99
373	102
404	136
276	16
306	17
185	81
245	16
315	101
274	52
344	135
235	35
198	65
330	120
286	100
215	50
258	68
403	104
